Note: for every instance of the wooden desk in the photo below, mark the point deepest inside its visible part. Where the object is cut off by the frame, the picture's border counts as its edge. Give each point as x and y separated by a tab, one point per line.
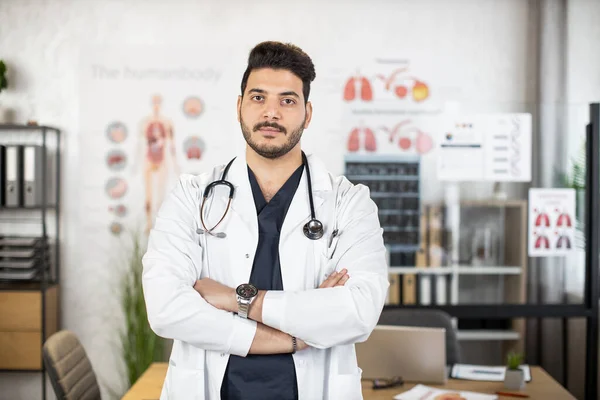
542	386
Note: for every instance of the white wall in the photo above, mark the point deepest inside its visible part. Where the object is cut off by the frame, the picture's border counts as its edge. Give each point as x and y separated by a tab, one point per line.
478	46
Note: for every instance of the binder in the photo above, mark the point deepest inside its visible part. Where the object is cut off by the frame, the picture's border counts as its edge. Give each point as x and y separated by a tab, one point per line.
436	252
33	171
14	176
2	175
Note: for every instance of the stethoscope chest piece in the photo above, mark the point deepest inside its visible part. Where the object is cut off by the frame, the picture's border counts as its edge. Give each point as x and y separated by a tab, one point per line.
313	229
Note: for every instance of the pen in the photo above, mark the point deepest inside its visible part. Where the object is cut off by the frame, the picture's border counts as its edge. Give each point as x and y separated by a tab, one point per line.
333	235
510	394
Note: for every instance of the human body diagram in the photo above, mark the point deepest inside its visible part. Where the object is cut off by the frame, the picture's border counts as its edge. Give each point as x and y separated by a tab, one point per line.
155	137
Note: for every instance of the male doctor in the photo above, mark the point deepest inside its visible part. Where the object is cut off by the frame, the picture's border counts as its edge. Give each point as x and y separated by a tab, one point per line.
259	304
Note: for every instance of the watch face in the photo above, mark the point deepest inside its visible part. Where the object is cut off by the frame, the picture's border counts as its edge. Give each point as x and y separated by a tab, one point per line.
247	291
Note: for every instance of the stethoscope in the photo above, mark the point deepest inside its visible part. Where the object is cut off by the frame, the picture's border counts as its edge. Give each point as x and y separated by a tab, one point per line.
313	229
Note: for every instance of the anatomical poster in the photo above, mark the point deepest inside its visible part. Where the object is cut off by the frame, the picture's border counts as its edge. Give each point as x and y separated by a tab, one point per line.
148	114
392	83
494	147
389	134
387	105
551	222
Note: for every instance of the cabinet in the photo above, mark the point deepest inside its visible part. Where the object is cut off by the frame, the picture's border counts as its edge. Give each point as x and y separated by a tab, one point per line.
28	317
29	245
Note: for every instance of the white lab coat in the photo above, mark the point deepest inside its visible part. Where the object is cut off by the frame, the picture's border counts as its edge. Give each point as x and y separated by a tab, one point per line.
331	320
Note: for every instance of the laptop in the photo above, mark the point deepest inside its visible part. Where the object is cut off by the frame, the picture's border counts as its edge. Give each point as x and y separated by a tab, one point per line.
416	354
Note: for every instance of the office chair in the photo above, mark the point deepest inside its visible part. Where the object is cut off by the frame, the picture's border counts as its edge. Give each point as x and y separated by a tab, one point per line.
69	368
429	319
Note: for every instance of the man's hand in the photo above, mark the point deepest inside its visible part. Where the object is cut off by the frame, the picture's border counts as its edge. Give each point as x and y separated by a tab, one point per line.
301	345
216	294
335	279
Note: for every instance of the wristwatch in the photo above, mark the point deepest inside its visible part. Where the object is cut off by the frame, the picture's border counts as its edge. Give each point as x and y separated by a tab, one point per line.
245	294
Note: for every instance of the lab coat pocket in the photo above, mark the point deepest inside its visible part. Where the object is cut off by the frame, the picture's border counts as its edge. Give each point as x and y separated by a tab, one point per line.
346	386
325	261
185	383
333	242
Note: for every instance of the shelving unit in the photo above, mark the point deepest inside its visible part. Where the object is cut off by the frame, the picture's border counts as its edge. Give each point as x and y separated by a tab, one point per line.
510	217
424	269
30	229
394	186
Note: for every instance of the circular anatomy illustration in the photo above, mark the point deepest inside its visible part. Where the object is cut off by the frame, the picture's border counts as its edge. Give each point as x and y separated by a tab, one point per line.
116	132
116	160
120	210
116	188
193	107
116	228
193	148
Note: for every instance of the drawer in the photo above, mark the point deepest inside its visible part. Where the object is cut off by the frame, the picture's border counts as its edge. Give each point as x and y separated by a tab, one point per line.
20	350
22	310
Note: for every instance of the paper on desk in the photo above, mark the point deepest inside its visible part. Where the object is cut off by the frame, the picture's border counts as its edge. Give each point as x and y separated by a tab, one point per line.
422	392
484	372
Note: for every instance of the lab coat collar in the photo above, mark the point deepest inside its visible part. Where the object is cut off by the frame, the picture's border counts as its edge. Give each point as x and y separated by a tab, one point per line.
299	210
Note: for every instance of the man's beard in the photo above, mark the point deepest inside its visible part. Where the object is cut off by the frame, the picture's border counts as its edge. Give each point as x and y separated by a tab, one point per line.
271	151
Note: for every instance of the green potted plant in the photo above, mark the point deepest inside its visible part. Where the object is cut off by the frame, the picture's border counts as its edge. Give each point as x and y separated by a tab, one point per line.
514	378
140	346
3	86
576	179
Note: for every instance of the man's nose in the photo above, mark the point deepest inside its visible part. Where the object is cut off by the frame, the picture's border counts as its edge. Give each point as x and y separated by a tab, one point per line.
272	111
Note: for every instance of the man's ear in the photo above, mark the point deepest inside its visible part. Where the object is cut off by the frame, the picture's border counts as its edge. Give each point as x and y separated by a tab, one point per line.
239	107
308	114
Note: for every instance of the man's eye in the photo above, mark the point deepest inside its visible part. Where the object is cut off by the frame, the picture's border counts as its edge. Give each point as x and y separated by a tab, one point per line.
289	101
257	98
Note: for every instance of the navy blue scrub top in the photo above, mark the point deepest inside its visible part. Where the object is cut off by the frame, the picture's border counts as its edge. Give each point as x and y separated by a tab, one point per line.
268	376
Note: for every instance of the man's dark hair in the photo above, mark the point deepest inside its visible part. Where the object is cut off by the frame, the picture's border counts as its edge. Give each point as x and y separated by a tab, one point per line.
286	56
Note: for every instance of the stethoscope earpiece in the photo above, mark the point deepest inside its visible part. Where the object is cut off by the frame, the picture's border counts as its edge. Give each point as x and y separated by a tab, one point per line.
313	229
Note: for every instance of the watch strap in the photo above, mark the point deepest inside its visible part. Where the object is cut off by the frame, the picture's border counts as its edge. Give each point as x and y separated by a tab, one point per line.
243	306
294	344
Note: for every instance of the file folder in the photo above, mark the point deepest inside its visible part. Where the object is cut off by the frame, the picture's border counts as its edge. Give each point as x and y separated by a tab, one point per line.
2	175
33	171
14	176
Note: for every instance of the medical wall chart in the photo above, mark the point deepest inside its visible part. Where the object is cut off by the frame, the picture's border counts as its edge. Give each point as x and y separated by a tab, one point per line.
385	105
397	83
147	115
389	135
495	147
551	222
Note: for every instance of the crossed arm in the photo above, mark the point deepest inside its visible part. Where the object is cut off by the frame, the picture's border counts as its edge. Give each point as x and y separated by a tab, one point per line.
335	316
267	340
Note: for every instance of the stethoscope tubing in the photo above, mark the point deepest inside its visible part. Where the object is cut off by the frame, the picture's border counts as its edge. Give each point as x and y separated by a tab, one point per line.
313	229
